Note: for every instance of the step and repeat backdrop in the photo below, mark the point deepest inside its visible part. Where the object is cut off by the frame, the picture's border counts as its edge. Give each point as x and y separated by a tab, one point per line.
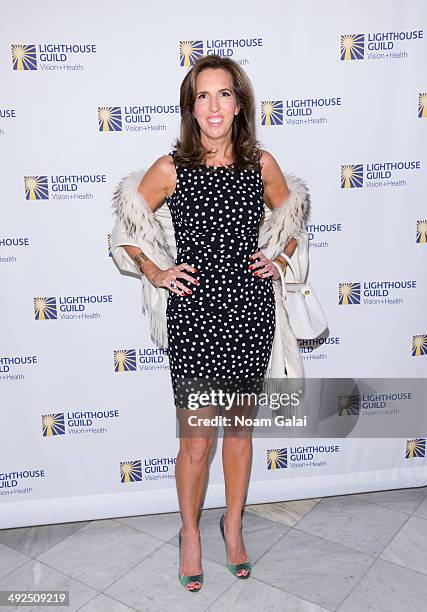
90	93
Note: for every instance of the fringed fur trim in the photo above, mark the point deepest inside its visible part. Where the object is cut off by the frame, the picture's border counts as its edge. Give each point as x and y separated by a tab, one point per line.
139	220
158	328
281	224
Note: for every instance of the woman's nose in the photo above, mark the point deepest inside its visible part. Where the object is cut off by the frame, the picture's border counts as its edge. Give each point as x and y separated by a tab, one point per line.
214	104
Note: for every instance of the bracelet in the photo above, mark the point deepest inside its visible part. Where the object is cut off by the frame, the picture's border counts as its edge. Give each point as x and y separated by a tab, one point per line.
139	259
282	262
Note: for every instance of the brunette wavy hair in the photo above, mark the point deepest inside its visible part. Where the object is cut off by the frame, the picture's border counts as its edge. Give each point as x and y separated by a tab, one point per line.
189	150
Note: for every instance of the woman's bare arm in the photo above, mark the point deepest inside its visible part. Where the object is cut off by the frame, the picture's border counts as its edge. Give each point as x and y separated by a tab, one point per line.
158	182
276	190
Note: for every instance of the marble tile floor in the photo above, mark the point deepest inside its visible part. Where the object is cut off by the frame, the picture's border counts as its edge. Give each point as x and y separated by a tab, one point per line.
349	553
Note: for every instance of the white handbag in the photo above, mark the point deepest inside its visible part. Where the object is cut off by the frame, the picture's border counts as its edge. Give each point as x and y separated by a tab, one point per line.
306	316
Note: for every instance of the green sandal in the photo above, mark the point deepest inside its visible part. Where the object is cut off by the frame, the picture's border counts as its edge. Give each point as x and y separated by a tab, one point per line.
235	567
185	580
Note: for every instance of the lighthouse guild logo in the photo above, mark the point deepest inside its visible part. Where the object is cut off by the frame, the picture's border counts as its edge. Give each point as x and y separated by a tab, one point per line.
15	483
379	403
190	51
302	111
53	424
12	366
318	349
78	422
45	308
378	45
62	186
297	457
129	360
24	57
110	119
387	292
315	230
378	174
348	404
349	293
36	188
71	307
352	47
159	468
419	345
47	56
12	243
125	360
415	448
130	471
272	112
277	458
351	176
136	118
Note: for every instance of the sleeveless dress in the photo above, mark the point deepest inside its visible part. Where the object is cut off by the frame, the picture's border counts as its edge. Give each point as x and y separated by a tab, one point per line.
224	329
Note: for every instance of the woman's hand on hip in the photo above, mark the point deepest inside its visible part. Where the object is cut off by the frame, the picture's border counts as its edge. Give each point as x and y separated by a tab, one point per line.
262	266
164	278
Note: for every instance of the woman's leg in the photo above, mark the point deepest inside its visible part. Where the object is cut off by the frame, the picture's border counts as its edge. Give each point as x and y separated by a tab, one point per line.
191	473
236	461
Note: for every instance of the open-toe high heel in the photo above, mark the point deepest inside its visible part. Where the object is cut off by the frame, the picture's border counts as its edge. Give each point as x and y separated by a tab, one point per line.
185	580
235	567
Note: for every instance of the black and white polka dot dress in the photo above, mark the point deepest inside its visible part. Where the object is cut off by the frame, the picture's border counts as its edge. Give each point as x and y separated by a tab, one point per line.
225	328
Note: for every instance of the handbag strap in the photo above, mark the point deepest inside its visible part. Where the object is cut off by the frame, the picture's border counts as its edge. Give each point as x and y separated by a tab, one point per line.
291	266
281	272
282	279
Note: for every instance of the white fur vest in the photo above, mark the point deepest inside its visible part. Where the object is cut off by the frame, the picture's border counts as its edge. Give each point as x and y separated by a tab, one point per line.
137	225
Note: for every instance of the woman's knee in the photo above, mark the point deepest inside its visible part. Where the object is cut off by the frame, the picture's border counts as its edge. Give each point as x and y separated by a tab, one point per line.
197	449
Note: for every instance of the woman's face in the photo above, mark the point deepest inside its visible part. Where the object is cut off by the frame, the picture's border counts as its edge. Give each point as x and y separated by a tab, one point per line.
215	104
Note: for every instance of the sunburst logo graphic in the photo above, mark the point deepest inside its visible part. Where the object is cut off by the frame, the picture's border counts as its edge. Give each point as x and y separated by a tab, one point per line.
348	405
351	176
53	424
349	293
24	57
36	188
277	458
109	242
415	448
422	104
190	51
422	231
272	112
419	345
130	471
352	46
45	308
110	118
125	360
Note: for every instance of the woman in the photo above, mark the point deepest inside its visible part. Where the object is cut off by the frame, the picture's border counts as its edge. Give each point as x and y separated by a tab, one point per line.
221	311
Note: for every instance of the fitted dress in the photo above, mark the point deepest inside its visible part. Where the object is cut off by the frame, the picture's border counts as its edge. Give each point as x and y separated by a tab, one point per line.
222	331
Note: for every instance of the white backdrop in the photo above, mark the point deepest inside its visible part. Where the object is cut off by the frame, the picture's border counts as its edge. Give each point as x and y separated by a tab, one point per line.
79	440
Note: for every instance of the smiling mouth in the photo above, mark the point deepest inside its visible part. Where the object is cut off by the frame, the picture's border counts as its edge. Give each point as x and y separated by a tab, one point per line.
215	121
